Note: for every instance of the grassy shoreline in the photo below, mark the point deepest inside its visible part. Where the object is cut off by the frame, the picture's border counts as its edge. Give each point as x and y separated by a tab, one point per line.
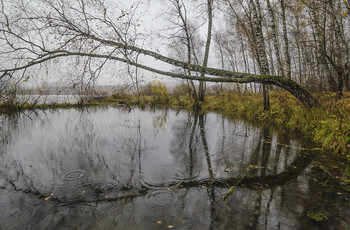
328	126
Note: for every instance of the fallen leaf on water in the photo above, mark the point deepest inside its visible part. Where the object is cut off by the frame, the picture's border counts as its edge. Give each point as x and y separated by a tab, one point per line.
47	198
170	226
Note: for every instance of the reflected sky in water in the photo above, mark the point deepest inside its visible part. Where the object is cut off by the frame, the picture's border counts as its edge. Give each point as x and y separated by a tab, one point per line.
110	168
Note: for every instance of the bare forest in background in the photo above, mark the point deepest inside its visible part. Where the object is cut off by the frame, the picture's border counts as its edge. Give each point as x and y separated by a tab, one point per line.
295	45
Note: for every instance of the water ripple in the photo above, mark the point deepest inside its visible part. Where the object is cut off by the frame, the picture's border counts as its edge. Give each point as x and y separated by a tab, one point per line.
161	198
142	218
162	178
74	175
19	217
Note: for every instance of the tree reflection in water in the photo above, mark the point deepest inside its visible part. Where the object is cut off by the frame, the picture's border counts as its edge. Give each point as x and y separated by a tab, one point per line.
107	168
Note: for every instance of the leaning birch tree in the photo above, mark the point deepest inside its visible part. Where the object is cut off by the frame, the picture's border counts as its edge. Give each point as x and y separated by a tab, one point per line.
39	31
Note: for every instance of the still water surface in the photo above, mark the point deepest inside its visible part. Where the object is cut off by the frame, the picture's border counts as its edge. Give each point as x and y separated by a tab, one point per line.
109	168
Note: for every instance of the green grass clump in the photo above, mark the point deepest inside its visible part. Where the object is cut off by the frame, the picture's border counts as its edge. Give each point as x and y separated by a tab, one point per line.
318	216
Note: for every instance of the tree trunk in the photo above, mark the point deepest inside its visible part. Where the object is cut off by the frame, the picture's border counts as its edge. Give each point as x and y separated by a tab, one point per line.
340	87
320	39
347	77
181	11
286	42
266	93
201	90
264	65
273	26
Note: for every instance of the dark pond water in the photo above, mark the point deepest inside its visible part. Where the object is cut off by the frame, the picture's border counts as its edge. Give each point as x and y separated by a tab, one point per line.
109	168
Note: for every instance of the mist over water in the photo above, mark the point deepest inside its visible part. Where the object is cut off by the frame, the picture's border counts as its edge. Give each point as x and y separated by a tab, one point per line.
110	168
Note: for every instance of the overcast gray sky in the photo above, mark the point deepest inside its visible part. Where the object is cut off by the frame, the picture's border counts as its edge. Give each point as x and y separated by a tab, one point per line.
154	23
